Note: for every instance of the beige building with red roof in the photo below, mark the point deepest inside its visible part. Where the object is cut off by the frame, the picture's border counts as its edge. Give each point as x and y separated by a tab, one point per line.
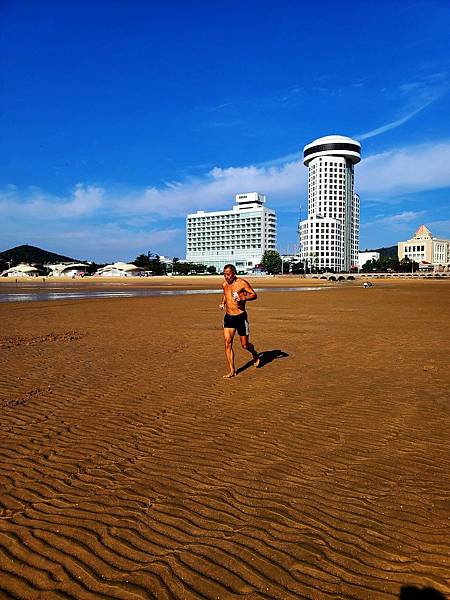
424	248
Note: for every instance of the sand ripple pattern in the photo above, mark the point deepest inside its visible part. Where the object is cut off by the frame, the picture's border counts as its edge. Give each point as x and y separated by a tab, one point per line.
129	469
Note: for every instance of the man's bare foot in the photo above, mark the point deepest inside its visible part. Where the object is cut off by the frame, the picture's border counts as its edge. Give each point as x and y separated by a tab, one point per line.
256	361
230	375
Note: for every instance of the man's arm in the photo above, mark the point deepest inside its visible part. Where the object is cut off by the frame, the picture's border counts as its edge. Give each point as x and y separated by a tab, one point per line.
248	292
224	301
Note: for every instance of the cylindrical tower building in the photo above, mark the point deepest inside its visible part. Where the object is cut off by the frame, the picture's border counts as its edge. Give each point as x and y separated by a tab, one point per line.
329	237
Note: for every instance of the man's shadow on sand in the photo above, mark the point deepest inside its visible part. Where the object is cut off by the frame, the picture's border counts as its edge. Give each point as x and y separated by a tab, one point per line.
264	359
411	592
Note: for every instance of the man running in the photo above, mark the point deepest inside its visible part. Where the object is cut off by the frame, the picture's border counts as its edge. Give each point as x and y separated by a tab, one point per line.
236	292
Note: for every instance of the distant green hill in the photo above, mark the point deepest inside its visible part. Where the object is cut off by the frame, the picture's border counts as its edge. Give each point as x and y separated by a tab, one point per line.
32	255
390	251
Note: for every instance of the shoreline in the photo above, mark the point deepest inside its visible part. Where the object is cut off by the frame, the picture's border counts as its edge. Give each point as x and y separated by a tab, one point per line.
54	290
206	282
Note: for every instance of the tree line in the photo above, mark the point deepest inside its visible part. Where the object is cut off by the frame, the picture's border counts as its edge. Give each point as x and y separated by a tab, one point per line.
390	264
152	263
271	263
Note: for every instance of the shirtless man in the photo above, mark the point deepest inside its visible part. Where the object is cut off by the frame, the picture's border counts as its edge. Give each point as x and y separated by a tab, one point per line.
236	292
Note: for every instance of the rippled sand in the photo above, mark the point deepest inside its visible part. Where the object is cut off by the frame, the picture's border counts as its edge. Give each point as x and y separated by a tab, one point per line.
130	469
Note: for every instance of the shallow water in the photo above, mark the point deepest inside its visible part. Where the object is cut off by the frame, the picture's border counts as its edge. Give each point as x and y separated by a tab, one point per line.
130	293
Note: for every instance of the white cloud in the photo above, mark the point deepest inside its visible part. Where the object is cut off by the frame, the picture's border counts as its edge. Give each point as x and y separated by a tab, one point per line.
403	171
418	95
440	228
379	178
402	218
103	242
281	160
396	222
112	235
35	204
283	185
392	125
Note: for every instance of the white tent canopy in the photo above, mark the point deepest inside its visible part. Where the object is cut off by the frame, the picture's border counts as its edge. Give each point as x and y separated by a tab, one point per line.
21	270
67	269
119	269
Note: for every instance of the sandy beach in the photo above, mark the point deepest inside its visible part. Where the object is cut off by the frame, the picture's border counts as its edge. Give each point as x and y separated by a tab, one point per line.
130	469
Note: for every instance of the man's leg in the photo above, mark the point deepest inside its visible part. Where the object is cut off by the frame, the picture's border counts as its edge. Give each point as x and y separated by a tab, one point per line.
247	345
228	334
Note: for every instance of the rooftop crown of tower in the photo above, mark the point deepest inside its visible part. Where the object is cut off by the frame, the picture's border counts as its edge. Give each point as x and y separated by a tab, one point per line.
333	145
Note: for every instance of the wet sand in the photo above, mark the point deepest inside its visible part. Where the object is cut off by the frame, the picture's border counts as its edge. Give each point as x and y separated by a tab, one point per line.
130	469
158	283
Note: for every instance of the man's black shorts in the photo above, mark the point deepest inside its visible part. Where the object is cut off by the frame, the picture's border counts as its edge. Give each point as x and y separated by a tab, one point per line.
238	322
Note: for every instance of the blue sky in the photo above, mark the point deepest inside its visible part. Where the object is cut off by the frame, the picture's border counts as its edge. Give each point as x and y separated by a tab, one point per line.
120	117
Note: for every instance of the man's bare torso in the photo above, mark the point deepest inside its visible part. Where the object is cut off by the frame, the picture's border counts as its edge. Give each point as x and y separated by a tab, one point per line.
235	306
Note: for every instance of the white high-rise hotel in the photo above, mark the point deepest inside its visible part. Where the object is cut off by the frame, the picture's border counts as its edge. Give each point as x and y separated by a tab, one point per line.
329	237
239	236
